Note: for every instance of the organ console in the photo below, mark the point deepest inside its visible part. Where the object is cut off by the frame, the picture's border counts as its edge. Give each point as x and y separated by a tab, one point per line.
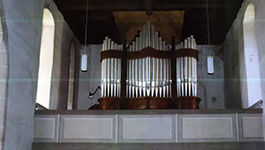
149	73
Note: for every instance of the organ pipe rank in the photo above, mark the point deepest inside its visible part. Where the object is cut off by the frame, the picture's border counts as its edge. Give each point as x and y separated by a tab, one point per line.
149	73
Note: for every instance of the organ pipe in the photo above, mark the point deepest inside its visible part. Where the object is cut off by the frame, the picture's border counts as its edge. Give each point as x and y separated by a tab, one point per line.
110	71
148	74
186	70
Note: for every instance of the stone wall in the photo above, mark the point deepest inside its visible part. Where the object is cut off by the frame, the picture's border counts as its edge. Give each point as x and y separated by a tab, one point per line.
210	88
23	21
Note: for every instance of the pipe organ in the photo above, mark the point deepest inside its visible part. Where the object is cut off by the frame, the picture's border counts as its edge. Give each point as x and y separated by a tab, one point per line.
156	75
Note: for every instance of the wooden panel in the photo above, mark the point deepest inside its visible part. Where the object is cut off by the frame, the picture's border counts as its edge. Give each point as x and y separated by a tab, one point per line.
152	128
146	128
250	127
207	128
46	128
85	128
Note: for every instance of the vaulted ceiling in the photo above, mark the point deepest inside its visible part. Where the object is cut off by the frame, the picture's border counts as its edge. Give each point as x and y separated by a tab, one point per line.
101	21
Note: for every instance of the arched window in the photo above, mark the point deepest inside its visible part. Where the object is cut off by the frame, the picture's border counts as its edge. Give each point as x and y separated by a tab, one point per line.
251	57
71	81
46	60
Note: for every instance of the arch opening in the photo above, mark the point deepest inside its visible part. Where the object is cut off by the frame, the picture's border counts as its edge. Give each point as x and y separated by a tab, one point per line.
251	57
46	60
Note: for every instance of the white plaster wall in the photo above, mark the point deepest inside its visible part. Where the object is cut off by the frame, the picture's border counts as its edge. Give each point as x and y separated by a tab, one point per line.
211	87
72	81
3	85
90	80
3	74
45	60
24	25
63	38
23	20
251	56
260	36
233	54
234	67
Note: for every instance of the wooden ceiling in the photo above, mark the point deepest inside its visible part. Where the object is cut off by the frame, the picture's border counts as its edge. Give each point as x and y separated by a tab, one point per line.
101	21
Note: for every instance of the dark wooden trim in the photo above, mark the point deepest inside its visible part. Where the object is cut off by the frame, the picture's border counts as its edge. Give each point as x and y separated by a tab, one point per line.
109	103
112	54
141	103
187	102
123	76
188	52
164	111
149	52
148	103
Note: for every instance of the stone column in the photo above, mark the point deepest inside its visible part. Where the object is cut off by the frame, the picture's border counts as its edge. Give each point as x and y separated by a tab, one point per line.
3	82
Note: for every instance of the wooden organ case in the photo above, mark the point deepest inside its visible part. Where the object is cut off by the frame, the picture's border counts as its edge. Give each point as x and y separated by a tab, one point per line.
148	73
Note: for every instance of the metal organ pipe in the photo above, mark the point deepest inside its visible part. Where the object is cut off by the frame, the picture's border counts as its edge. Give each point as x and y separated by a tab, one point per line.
133	71
168	76
137	68
152	62
149	76
130	74
186	70
127	79
110	71
141	66
156	63
103	71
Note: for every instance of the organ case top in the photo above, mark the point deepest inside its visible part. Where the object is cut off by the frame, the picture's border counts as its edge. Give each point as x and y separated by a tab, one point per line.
156	76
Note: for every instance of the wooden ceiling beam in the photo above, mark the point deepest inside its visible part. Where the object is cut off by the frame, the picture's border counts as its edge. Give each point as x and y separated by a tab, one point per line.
138	5
148	7
135	6
221	15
